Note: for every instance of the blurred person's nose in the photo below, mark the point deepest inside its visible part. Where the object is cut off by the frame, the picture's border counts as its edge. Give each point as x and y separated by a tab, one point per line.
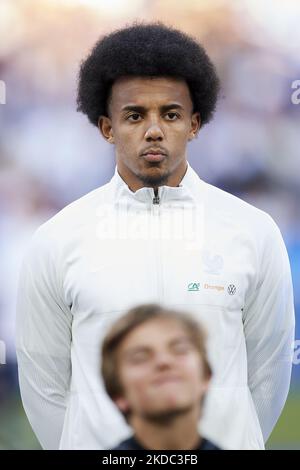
164	359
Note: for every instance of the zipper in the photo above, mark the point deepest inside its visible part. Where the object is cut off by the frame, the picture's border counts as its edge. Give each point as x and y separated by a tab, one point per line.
156	213
156	198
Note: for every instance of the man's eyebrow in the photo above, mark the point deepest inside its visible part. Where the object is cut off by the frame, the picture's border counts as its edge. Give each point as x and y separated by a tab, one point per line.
142	109
166	107
178	339
136	349
132	107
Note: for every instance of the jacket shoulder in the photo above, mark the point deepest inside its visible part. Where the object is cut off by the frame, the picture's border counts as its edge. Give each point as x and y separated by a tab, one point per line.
235	209
76	214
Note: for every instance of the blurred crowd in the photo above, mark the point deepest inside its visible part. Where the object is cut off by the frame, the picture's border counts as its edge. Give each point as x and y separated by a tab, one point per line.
50	155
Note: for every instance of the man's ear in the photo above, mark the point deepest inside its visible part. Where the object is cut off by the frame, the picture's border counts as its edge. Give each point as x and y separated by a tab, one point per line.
105	127
122	404
195	125
206	384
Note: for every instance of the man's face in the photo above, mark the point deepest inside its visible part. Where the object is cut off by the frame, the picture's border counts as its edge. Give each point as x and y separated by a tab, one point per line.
160	370
150	114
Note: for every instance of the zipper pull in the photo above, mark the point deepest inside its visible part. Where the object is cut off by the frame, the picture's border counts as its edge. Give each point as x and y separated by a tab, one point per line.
156	198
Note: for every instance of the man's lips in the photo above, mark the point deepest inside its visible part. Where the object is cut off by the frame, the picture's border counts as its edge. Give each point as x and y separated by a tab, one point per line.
164	380
154	154
154	157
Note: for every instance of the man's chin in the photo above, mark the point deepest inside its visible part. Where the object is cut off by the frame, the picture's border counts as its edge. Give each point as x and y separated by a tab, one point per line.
154	176
166	414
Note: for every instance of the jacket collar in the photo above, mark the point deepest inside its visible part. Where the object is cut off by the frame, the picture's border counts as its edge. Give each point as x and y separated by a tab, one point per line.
187	190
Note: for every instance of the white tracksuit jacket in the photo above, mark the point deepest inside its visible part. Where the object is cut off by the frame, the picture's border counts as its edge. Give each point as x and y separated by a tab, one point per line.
197	249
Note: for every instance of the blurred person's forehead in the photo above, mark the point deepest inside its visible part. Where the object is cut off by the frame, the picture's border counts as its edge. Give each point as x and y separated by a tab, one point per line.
154	333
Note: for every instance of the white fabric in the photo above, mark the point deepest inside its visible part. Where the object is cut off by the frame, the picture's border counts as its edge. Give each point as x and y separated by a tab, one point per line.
113	249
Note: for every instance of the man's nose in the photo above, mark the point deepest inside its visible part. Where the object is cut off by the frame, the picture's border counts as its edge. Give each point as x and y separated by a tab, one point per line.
164	359
154	132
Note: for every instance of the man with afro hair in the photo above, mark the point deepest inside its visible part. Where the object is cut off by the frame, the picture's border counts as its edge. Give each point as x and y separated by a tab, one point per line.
155	232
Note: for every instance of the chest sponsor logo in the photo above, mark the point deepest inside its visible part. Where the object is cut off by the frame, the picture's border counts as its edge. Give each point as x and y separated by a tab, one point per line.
231	289
194	286
213	287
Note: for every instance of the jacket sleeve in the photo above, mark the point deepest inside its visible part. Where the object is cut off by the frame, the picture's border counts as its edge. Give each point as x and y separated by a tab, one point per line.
269	323
43	341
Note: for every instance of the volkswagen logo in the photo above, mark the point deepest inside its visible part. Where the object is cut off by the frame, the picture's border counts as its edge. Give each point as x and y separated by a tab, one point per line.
231	289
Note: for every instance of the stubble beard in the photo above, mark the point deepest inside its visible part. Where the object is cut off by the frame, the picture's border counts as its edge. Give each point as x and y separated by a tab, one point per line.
155	179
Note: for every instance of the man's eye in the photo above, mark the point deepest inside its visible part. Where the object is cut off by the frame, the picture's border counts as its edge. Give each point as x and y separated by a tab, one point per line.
181	348
134	117
172	115
139	357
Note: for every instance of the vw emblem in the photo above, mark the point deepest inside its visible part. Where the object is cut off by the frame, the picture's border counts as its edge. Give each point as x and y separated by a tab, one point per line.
231	289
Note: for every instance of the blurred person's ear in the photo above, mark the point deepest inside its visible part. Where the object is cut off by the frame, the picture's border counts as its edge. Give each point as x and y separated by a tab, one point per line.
105	127
205	384
204	389
122	404
206	377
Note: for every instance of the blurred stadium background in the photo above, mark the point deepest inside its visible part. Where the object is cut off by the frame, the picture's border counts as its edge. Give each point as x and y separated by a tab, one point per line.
50	155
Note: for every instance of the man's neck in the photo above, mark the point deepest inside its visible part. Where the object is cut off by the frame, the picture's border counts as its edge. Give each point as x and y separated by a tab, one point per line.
181	433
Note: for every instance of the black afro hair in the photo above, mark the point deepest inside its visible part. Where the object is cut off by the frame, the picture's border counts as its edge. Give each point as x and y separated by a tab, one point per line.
149	50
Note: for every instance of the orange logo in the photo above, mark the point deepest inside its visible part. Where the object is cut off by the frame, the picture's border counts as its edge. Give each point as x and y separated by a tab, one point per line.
218	288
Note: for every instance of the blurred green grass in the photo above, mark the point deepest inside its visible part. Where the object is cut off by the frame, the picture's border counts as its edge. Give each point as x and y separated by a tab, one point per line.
16	433
286	434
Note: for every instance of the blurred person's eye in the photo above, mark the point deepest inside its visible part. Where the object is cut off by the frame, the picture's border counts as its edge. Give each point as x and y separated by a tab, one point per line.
139	357
182	346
